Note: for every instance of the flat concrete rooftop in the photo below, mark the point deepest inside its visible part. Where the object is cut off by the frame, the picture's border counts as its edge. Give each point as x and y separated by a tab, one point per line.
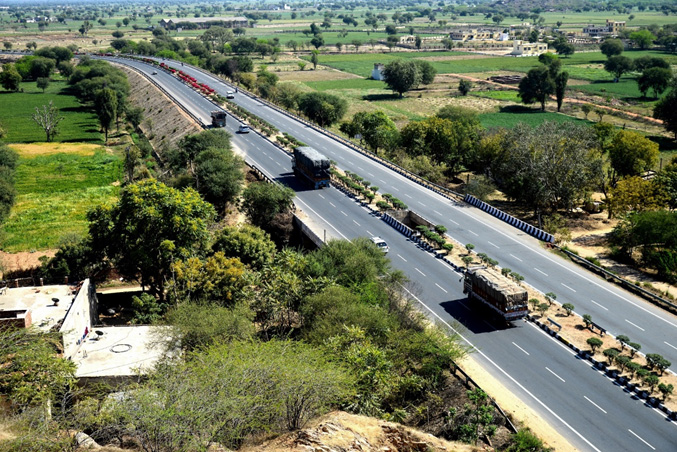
119	351
39	301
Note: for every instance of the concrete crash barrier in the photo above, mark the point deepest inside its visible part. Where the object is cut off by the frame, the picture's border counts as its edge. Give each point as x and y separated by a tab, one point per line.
526	227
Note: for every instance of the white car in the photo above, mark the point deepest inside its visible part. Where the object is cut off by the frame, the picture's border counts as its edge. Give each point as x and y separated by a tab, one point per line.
230	95
383	246
243	129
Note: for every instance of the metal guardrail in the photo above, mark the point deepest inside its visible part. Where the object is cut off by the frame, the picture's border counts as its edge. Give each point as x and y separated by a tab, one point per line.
627	285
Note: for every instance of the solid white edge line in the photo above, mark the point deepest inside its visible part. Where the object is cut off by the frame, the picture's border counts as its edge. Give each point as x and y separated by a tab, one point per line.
536	399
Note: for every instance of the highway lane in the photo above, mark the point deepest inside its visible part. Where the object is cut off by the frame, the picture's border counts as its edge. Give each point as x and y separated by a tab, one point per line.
440	289
615	309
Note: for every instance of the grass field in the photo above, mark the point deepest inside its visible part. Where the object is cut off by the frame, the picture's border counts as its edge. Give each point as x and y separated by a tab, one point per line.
79	124
510	116
55	189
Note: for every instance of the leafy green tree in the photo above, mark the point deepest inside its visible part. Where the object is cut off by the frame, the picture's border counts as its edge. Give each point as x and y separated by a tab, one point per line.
611	47
427	71
536	86
652	381
190	146
48	119
219	176
251	244
134	115
41	67
611	354
262	202
10	79
618	65
401	75
137	238
631	153
216	395
42	83
377	130
544	173
666	390
350	263
197	326
464	87
315	58
655	78
32	374
642	38
646	62
569	308
665	111
594	343
65	68
323	108
215	280
525	441
623	339
587	320
105	106
478	416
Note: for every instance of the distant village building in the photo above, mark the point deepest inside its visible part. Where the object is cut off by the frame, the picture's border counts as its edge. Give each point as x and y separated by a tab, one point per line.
205	22
410	40
377	72
521	48
612	27
473	35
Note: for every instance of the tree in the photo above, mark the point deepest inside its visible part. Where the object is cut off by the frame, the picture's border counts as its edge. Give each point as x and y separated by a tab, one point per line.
314	58
631	153
651	381
569	308
43	83
587	320
635	194
498	19
401	75
542	308
623	339
642	38
251	244
655	78
377	130
32	374
137	238
560	86
317	41
464	87
426	70
666	390
525	441
10	79
594	343
618	65
646	62
262	202
418	42
105	106
478	416
611	47
611	354
41	67
48	119
544	173
323	108
219	176
586	109
536	86
665	111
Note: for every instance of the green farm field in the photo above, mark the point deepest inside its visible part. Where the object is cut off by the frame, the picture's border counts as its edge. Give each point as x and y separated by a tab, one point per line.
512	115
57	183
79	124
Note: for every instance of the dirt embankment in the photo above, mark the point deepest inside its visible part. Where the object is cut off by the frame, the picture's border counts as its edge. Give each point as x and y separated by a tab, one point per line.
164	123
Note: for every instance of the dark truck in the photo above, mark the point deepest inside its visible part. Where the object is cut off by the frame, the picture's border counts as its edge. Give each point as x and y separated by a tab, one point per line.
218	118
312	165
498	292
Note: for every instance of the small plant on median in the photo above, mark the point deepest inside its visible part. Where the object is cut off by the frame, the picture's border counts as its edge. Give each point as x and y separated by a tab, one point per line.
587	319
382	206
550	297
505	271
623	339
469	247
440	229
594	343
611	354
569	308
651	381
534	303
665	390
467	260
542	308
448	247
634	347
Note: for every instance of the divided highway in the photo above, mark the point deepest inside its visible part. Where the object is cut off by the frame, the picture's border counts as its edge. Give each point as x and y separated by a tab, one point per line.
592	413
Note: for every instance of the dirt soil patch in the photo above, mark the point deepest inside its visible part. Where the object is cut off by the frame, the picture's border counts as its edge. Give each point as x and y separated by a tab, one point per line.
29	150
12	262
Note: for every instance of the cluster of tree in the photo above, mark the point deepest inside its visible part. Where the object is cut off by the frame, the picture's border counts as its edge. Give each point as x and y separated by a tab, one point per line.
543	81
37	67
665	109
444	142
404	75
655	72
104	87
8	162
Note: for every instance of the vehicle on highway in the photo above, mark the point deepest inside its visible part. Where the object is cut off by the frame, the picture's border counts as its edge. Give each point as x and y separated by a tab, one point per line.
500	293
154	72
218	118
243	129
230	95
383	246
311	165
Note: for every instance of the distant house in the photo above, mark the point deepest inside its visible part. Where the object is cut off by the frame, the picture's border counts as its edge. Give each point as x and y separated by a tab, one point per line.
521	48
205	22
377	72
612	27
473	35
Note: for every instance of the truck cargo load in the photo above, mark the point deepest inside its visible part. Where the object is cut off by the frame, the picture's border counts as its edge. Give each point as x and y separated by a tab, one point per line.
312	165
498	292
